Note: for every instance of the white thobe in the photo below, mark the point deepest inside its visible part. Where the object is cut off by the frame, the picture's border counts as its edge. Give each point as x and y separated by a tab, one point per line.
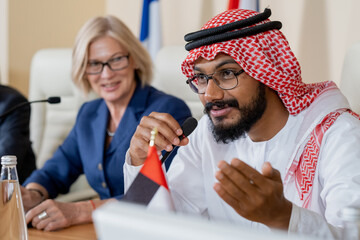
336	184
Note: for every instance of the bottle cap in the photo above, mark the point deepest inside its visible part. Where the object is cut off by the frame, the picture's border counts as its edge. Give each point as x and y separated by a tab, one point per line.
8	160
350	213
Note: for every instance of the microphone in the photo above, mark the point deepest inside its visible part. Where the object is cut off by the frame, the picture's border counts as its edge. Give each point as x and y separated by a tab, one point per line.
188	127
51	100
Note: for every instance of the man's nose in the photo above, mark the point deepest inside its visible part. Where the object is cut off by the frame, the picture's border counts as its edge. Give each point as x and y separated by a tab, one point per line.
213	91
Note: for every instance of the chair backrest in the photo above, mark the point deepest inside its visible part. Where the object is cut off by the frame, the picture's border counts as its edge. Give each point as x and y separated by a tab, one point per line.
50	75
350	77
169	78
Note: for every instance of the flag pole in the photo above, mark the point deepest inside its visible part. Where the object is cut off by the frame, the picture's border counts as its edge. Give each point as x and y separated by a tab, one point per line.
153	136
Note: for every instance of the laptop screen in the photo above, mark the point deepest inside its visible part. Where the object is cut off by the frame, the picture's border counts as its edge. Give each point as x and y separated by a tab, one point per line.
120	220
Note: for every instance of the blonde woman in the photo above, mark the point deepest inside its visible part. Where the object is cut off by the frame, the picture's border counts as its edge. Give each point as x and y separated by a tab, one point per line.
109	60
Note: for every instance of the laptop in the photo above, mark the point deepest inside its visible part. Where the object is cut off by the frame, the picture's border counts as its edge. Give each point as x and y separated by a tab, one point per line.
121	220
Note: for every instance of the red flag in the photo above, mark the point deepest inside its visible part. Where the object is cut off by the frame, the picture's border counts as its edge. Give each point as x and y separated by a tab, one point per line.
233	4
150	187
152	168
244	4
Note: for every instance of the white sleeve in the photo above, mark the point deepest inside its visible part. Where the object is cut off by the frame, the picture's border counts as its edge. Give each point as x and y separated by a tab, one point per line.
339	164
305	222
339	177
130	172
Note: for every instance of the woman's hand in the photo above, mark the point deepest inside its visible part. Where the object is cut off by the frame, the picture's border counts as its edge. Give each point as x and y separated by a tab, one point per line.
51	215
31	197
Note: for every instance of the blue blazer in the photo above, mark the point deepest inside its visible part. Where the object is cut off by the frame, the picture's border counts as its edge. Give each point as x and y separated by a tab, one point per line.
83	151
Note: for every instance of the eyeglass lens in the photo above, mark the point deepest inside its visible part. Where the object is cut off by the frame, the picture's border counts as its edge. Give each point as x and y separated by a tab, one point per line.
224	79
115	64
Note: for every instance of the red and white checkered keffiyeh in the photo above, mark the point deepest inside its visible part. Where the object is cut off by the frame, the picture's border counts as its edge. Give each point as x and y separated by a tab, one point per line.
267	57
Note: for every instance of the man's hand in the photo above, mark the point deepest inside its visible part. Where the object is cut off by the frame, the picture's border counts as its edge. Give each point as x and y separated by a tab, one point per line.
255	196
169	131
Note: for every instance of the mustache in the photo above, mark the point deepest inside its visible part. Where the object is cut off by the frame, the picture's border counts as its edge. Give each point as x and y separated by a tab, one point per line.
221	104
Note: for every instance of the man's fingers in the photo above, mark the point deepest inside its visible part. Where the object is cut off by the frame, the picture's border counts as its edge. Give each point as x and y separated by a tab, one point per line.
169	120
141	140
229	186
234	203
270	172
239	180
250	173
167	127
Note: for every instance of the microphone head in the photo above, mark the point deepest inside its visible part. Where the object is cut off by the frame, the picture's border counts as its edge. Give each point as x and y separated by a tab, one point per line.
189	126
54	100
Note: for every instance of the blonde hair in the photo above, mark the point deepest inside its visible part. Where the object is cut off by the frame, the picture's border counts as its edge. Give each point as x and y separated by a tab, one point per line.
108	26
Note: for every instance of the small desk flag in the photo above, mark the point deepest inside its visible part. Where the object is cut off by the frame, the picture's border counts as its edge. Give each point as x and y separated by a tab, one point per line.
150	186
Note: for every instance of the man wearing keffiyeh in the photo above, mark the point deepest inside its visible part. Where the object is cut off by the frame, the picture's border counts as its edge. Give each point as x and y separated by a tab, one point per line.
272	151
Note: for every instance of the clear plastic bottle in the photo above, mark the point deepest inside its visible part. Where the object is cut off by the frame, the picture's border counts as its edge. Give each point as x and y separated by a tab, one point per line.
351	218
12	217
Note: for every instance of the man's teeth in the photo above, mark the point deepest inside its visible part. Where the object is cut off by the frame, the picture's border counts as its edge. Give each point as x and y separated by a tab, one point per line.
219	108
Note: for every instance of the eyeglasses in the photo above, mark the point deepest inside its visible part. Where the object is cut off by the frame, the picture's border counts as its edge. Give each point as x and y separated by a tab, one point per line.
225	79
115	64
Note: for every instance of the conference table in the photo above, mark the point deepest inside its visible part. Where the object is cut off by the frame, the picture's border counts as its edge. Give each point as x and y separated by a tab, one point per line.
78	232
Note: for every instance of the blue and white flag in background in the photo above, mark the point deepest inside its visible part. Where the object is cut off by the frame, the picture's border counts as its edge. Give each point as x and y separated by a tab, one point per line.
150	33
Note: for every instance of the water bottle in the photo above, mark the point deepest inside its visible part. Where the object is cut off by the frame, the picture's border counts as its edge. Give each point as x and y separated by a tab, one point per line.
351	219
12	217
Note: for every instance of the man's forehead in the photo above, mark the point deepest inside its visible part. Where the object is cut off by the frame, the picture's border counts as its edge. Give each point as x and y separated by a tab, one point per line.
219	59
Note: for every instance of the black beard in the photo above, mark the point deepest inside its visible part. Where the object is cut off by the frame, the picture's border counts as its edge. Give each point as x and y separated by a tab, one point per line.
250	114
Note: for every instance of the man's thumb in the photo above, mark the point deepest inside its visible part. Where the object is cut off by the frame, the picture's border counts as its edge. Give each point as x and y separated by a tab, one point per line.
268	171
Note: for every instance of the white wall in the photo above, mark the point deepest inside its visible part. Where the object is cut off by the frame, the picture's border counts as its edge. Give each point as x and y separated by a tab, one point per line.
4	41
37	24
319	31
